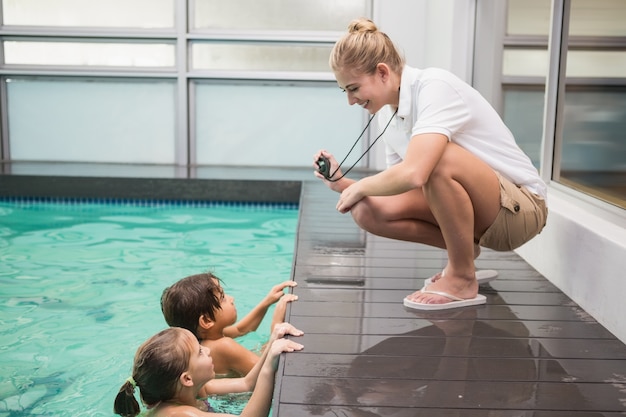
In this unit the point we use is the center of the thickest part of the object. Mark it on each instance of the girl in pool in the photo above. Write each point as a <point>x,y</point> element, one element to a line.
<point>173,371</point>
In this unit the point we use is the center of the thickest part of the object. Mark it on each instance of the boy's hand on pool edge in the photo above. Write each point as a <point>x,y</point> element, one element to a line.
<point>281,309</point>
<point>252,320</point>
<point>277,292</point>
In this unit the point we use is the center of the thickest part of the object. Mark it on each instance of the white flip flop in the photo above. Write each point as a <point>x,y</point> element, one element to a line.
<point>455,302</point>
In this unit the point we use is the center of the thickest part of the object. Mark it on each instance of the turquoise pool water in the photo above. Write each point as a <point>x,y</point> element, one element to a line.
<point>81,283</point>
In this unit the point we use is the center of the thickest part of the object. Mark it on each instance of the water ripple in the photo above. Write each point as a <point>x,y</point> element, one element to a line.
<point>81,288</point>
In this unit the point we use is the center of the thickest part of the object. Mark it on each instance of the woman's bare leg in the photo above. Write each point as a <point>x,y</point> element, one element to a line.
<point>403,217</point>
<point>452,211</point>
<point>463,194</point>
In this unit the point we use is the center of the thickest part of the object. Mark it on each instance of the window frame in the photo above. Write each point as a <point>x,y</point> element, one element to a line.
<point>182,36</point>
<point>491,40</point>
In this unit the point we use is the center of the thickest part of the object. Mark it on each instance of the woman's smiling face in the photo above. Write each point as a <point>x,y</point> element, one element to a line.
<point>364,90</point>
<point>370,91</point>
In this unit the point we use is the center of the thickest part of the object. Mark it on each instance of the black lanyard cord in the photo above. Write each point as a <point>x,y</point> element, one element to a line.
<point>330,177</point>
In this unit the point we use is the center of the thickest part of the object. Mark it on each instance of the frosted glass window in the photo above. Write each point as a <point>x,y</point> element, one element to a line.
<point>293,15</point>
<point>260,57</point>
<point>596,64</point>
<point>593,135</point>
<point>598,18</point>
<point>587,17</point>
<point>523,115</point>
<point>528,17</point>
<point>91,120</point>
<point>525,62</point>
<point>142,14</point>
<point>594,145</point>
<point>272,125</point>
<point>593,148</point>
<point>593,152</point>
<point>89,54</point>
<point>580,63</point>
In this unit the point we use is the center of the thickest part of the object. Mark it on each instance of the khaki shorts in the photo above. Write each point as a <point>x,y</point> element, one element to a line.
<point>522,216</point>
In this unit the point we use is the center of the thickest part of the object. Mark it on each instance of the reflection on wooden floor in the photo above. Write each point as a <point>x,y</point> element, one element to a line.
<point>531,351</point>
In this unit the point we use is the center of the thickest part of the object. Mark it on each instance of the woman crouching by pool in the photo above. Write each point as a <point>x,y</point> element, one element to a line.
<point>173,371</point>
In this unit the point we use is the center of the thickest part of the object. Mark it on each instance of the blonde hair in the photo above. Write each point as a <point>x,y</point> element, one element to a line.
<point>364,47</point>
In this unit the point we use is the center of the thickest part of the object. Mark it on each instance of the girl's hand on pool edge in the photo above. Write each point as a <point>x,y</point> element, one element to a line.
<point>285,345</point>
<point>282,329</point>
<point>279,346</point>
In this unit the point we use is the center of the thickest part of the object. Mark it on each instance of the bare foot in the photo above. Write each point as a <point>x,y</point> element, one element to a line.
<point>438,275</point>
<point>461,287</point>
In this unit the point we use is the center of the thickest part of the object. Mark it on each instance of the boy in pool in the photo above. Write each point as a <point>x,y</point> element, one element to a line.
<point>173,372</point>
<point>198,303</point>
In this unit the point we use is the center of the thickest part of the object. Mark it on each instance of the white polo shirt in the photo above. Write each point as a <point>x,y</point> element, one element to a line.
<point>436,101</point>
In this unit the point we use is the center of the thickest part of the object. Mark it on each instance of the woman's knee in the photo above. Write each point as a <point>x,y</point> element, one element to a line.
<point>363,215</point>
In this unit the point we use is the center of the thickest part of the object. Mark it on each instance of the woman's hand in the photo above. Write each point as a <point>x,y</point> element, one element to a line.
<point>336,185</point>
<point>333,165</point>
<point>349,197</point>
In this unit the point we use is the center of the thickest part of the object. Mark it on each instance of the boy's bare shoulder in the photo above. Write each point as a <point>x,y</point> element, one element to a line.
<point>224,348</point>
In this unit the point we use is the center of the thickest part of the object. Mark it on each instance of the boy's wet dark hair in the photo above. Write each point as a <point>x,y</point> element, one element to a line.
<point>190,298</point>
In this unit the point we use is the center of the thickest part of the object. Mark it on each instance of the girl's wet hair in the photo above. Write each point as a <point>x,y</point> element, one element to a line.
<point>190,298</point>
<point>159,363</point>
<point>364,47</point>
